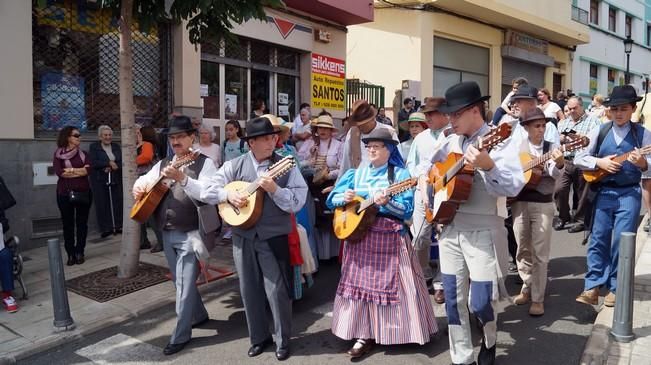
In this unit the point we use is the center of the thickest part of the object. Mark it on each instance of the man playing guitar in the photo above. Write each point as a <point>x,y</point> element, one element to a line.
<point>472,247</point>
<point>178,218</point>
<point>261,253</point>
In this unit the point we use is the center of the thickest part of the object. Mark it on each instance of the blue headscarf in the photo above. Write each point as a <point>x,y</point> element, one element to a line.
<point>395,158</point>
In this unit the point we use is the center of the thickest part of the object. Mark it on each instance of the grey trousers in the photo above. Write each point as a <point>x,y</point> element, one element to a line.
<point>259,273</point>
<point>185,269</point>
<point>421,231</point>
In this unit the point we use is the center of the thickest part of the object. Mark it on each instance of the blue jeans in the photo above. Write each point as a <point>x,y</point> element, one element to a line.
<point>7,269</point>
<point>616,211</point>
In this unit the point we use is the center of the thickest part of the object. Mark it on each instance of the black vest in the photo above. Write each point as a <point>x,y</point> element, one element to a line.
<point>176,211</point>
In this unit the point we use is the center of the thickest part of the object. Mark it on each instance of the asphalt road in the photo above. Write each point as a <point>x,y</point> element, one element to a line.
<point>556,338</point>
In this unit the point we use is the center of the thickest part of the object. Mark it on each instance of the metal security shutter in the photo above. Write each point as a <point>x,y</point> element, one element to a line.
<point>512,69</point>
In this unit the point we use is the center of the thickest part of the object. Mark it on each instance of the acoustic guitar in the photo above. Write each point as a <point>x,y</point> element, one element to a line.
<point>533,166</point>
<point>144,207</point>
<point>247,216</point>
<point>592,176</point>
<point>451,180</point>
<point>353,219</point>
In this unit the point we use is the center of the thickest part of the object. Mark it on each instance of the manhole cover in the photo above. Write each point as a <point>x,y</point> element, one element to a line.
<point>104,285</point>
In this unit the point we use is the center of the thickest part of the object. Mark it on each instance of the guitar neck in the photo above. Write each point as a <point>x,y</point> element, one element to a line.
<point>454,170</point>
<point>541,159</point>
<point>391,191</point>
<point>644,151</point>
<point>275,172</point>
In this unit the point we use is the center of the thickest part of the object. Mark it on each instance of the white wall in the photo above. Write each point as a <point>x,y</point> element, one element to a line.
<point>16,95</point>
<point>608,50</point>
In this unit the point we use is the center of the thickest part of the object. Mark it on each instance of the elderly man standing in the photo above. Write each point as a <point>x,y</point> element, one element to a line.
<point>418,164</point>
<point>362,122</point>
<point>580,123</point>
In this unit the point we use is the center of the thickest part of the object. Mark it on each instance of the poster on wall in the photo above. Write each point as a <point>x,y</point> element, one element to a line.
<point>283,98</point>
<point>283,110</point>
<point>328,82</point>
<point>62,100</point>
<point>230,103</point>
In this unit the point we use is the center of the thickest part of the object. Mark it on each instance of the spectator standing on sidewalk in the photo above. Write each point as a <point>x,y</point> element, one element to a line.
<point>106,159</point>
<point>146,157</point>
<point>74,197</point>
<point>6,256</point>
<point>206,146</point>
<point>382,117</point>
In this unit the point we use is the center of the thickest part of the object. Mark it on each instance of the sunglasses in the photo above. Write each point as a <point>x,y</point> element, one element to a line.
<point>76,135</point>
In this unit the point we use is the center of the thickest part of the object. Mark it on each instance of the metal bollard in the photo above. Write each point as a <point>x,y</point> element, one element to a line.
<point>62,318</point>
<point>622,329</point>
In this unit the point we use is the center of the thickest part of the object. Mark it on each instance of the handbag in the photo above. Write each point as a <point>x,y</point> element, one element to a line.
<point>79,197</point>
<point>6,199</point>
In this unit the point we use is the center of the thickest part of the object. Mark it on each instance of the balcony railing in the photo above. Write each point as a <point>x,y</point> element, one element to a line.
<point>579,15</point>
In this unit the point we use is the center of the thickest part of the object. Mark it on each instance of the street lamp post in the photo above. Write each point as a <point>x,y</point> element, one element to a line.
<point>628,47</point>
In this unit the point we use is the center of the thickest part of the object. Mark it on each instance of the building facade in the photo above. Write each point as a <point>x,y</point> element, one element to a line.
<point>601,65</point>
<point>60,68</point>
<point>434,44</point>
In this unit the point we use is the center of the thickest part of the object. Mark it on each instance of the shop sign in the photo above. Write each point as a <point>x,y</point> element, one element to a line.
<point>328,82</point>
<point>62,99</point>
<point>526,42</point>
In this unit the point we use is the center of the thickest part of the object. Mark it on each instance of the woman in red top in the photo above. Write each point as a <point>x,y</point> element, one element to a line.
<point>71,165</point>
<point>145,160</point>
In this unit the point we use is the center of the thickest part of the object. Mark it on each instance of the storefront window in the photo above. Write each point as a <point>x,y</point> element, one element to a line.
<point>235,95</point>
<point>286,86</point>
<point>286,58</point>
<point>209,89</point>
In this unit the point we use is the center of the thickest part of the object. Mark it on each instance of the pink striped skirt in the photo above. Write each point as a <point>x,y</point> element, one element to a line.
<point>409,321</point>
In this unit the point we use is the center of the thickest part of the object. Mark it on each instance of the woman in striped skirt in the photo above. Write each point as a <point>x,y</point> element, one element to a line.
<point>381,297</point>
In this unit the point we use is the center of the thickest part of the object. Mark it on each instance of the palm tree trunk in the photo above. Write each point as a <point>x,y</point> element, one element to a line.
<point>130,246</point>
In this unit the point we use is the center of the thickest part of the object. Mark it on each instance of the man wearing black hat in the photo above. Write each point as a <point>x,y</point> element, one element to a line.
<point>472,247</point>
<point>261,253</point>
<point>618,197</point>
<point>532,211</point>
<point>178,218</point>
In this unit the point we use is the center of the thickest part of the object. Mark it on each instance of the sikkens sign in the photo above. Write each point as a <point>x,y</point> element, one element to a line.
<point>328,82</point>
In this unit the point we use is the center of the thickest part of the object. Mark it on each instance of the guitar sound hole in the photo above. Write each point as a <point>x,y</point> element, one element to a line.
<point>357,208</point>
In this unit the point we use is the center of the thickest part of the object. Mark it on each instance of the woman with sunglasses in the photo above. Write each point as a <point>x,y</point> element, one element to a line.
<point>74,198</point>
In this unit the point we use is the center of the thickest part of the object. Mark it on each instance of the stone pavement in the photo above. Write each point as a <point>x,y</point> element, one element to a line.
<point>601,348</point>
<point>31,329</point>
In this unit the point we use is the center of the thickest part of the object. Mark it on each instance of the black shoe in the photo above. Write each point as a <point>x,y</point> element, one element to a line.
<point>71,261</point>
<point>118,231</point>
<point>579,227</point>
<point>513,268</point>
<point>646,225</point>
<point>282,354</point>
<point>146,245</point>
<point>201,322</point>
<point>157,248</point>
<point>105,234</point>
<point>80,259</point>
<point>257,349</point>
<point>559,224</point>
<point>173,348</point>
<point>486,356</point>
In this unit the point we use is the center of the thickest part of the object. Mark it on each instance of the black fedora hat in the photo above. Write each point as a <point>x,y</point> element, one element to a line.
<point>258,127</point>
<point>460,96</point>
<point>382,135</point>
<point>525,92</point>
<point>620,95</point>
<point>181,124</point>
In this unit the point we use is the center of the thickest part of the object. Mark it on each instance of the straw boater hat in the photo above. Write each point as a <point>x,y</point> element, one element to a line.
<point>532,115</point>
<point>278,122</point>
<point>414,117</point>
<point>620,95</point>
<point>323,121</point>
<point>363,113</point>
<point>258,127</point>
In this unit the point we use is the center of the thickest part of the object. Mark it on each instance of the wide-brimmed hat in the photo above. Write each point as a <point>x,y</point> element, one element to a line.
<point>620,95</point>
<point>525,92</point>
<point>363,113</point>
<point>433,104</point>
<point>460,96</point>
<point>414,117</point>
<point>278,122</point>
<point>180,124</point>
<point>258,127</point>
<point>380,134</point>
<point>323,121</point>
<point>532,115</point>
